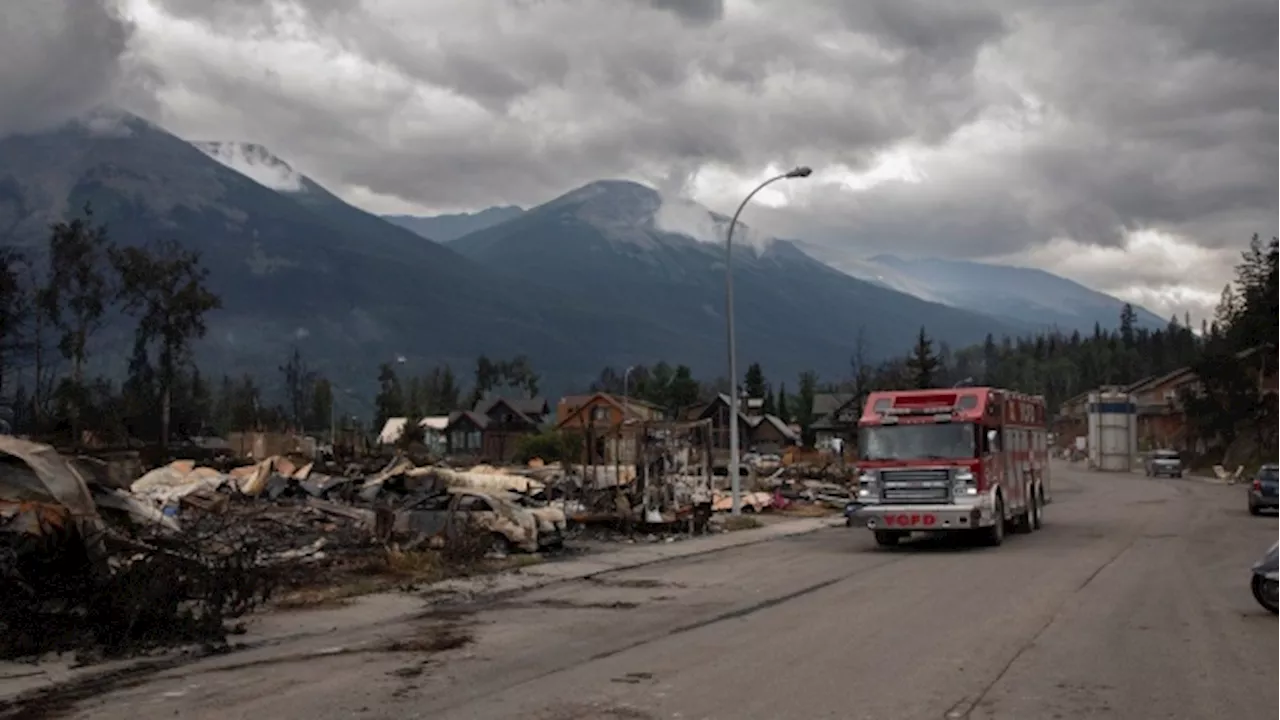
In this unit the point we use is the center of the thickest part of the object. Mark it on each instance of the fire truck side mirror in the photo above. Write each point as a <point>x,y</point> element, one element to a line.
<point>993,440</point>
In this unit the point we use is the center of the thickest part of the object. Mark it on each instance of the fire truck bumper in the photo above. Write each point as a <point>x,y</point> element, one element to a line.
<point>922,518</point>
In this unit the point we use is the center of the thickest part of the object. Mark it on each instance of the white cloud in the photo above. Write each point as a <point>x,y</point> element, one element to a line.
<point>1166,274</point>
<point>256,163</point>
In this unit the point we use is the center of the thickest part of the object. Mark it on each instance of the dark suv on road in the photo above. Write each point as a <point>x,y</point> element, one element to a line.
<point>1262,494</point>
<point>1164,462</point>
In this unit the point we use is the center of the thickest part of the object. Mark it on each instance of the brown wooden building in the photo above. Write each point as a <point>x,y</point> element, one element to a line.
<point>1162,419</point>
<point>578,411</point>
<point>492,430</point>
<point>609,423</point>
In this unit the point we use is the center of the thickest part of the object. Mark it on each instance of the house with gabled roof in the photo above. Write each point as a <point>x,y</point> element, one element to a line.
<point>603,409</point>
<point>759,433</point>
<point>610,424</point>
<point>836,416</point>
<point>770,434</point>
<point>491,431</point>
<point>535,409</point>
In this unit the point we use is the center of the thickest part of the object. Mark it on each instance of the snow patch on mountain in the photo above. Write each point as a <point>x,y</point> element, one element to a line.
<point>256,163</point>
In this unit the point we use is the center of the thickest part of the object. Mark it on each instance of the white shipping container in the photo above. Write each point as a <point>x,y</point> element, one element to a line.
<point>1113,431</point>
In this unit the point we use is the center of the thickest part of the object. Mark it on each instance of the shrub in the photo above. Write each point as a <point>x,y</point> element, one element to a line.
<point>551,446</point>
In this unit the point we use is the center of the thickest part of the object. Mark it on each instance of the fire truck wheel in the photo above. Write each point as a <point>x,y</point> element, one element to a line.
<point>994,536</point>
<point>1024,522</point>
<point>887,538</point>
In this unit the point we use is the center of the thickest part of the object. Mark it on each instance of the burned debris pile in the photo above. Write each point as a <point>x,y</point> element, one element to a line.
<point>105,566</point>
<point>662,477</point>
<point>72,580</point>
<point>105,571</point>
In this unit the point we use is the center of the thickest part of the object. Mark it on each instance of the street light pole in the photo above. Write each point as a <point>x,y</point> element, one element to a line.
<point>626,406</point>
<point>626,394</point>
<point>735,481</point>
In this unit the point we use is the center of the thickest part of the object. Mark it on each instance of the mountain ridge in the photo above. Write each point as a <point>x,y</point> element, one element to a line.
<point>1029,294</point>
<point>1076,307</point>
<point>350,289</point>
<point>607,242</point>
<point>607,274</point>
<point>446,228</point>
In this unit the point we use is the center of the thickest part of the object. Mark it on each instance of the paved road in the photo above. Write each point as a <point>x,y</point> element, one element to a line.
<point>1131,603</point>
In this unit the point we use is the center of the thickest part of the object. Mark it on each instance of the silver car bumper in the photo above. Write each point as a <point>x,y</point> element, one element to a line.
<point>923,518</point>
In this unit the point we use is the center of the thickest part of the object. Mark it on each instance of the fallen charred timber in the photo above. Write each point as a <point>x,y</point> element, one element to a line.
<point>122,578</point>
<point>153,589</point>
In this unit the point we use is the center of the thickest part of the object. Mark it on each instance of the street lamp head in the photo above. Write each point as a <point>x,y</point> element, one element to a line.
<point>803,171</point>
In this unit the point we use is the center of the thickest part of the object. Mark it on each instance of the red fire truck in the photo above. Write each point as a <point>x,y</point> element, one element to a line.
<point>969,459</point>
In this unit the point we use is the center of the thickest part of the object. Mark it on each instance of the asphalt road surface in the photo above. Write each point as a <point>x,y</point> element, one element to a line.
<point>1131,603</point>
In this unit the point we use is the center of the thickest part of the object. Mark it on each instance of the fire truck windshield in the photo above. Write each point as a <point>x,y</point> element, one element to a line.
<point>950,441</point>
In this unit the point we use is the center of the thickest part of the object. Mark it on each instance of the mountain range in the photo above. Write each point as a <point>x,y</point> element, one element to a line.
<point>295,266</point>
<point>608,274</point>
<point>1022,295</point>
<point>1027,297</point>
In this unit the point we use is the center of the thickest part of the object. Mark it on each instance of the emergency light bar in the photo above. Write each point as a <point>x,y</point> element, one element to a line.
<point>937,410</point>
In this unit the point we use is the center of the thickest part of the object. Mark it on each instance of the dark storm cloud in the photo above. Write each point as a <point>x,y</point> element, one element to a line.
<point>736,95</point>
<point>58,58</point>
<point>1149,114</point>
<point>256,14</point>
<point>1240,29</point>
<point>695,10</point>
<point>1115,116</point>
<point>938,31</point>
<point>575,91</point>
<point>1176,118</point>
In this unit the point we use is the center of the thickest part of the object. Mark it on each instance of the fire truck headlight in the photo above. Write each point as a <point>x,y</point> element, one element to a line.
<point>867,485</point>
<point>965,482</point>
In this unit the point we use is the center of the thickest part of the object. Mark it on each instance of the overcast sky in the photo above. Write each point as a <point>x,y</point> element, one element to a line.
<point>1128,144</point>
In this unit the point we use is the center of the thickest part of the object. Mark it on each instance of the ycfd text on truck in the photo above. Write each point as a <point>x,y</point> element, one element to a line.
<point>968,459</point>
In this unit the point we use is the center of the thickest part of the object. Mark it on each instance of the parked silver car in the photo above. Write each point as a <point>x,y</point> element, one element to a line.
<point>1164,462</point>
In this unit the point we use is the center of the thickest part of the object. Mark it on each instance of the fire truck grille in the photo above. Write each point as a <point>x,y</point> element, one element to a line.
<point>915,486</point>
